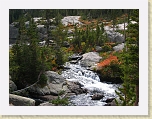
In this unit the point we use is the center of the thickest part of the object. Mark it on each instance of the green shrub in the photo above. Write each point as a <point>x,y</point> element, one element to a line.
<point>59,101</point>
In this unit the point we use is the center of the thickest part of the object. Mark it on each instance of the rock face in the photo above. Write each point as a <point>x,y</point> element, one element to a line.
<point>12,86</point>
<point>20,101</point>
<point>90,59</point>
<point>115,37</point>
<point>54,85</point>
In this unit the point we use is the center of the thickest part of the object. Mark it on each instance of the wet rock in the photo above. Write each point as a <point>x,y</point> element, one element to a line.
<point>97,96</point>
<point>75,87</point>
<point>109,100</point>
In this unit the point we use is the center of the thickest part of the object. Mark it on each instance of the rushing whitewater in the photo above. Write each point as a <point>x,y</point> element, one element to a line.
<point>90,81</point>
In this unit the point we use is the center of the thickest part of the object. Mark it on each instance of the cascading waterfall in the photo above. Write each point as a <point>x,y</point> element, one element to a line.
<point>90,81</point>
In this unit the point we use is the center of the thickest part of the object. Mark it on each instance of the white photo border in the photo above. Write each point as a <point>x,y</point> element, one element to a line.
<point>142,109</point>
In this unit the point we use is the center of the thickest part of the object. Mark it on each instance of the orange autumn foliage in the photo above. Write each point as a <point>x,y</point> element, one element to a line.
<point>107,61</point>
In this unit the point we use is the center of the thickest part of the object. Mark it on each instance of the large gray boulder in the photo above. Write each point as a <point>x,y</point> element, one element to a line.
<point>16,100</point>
<point>115,37</point>
<point>55,84</point>
<point>90,59</point>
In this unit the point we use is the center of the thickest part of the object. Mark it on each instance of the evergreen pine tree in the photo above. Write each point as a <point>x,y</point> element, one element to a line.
<point>130,65</point>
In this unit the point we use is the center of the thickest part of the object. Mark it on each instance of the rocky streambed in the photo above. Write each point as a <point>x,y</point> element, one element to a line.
<point>97,93</point>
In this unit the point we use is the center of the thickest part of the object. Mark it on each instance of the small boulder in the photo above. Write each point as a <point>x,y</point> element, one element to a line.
<point>97,96</point>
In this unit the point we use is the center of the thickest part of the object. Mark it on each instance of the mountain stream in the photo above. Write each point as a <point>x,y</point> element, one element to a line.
<point>89,80</point>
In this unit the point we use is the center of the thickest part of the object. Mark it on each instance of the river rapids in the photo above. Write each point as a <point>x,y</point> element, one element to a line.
<point>89,80</point>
